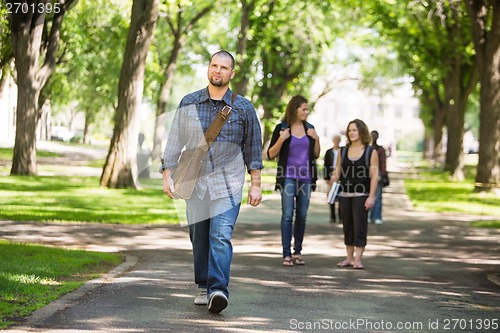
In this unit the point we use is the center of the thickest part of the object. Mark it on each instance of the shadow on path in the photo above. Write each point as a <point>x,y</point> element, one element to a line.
<point>424,272</point>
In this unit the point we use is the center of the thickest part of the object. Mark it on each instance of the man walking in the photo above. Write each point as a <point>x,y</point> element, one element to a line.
<point>214,206</point>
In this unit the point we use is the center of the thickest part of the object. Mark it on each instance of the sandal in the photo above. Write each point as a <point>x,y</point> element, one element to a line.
<point>287,261</point>
<point>344,263</point>
<point>297,260</point>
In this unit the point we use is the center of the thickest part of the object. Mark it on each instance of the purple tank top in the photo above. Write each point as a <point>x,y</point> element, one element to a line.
<point>297,166</point>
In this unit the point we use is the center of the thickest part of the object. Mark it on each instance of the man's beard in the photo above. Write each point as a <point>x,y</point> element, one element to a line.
<point>216,83</point>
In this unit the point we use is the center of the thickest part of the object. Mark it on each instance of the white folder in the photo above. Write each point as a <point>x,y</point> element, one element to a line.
<point>334,190</point>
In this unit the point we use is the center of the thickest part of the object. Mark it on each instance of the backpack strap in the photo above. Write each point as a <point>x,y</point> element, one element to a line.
<point>369,150</point>
<point>343,153</point>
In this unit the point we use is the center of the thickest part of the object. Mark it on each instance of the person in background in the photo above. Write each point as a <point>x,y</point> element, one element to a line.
<point>375,215</point>
<point>331,156</point>
<point>357,170</point>
<point>296,144</point>
<point>214,206</point>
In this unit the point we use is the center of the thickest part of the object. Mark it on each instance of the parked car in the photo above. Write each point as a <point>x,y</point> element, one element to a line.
<point>61,133</point>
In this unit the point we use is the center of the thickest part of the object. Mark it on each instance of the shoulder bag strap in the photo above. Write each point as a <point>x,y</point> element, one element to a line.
<point>215,127</point>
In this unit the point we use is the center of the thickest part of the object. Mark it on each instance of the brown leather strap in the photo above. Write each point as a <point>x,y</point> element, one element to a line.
<point>215,127</point>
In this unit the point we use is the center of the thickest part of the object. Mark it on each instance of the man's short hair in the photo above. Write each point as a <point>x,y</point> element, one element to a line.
<point>226,54</point>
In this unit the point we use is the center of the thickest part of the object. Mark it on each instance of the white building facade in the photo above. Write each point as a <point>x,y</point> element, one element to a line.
<point>394,116</point>
<point>8,103</point>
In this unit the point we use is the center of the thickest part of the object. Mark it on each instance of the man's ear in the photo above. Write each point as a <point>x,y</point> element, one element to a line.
<point>232,74</point>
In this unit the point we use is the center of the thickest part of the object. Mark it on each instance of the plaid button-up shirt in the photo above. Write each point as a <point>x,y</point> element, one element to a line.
<point>238,145</point>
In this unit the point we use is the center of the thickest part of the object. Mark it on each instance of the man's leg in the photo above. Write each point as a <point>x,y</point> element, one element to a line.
<point>376,211</point>
<point>199,228</point>
<point>198,234</point>
<point>224,213</point>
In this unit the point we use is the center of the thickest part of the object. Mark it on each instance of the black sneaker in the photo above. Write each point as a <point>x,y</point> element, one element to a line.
<point>217,302</point>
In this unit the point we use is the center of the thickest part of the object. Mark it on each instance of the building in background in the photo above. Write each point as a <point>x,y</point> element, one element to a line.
<point>395,116</point>
<point>8,103</point>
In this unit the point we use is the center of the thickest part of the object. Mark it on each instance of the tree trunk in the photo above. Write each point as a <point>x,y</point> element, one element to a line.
<point>120,169</point>
<point>488,168</point>
<point>242,79</point>
<point>26,43</point>
<point>165,89</point>
<point>455,119</point>
<point>43,120</point>
<point>437,134</point>
<point>27,29</point>
<point>86,139</point>
<point>485,19</point>
<point>24,158</point>
<point>454,161</point>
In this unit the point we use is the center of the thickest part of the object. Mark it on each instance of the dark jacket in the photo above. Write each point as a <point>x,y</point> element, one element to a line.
<point>283,155</point>
<point>328,166</point>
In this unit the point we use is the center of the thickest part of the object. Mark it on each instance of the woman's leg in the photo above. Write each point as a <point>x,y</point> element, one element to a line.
<point>360,219</point>
<point>287,208</point>
<point>303,196</point>
<point>348,228</point>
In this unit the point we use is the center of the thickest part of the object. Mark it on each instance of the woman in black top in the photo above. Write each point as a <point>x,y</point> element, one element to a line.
<point>358,185</point>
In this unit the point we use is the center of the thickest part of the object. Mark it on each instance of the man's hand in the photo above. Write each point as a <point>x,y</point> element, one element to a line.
<point>254,196</point>
<point>254,192</point>
<point>168,184</point>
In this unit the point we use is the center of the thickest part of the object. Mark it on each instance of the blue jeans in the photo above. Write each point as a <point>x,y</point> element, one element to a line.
<point>376,210</point>
<point>211,226</point>
<point>295,195</point>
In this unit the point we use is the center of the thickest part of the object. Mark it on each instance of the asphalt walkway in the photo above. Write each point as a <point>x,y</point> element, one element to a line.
<point>424,272</point>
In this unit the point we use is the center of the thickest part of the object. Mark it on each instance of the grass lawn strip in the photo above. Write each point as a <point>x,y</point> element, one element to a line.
<point>32,276</point>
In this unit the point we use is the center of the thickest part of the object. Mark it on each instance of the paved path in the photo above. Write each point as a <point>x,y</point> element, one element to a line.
<point>424,272</point>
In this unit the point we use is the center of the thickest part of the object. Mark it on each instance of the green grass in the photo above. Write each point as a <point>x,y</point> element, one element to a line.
<point>487,224</point>
<point>6,154</point>
<point>32,276</point>
<point>433,191</point>
<point>81,199</point>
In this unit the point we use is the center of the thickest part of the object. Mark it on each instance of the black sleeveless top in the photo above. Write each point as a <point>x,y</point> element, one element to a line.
<point>355,175</point>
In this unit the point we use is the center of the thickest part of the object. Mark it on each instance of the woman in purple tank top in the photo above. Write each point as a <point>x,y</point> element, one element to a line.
<point>296,144</point>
